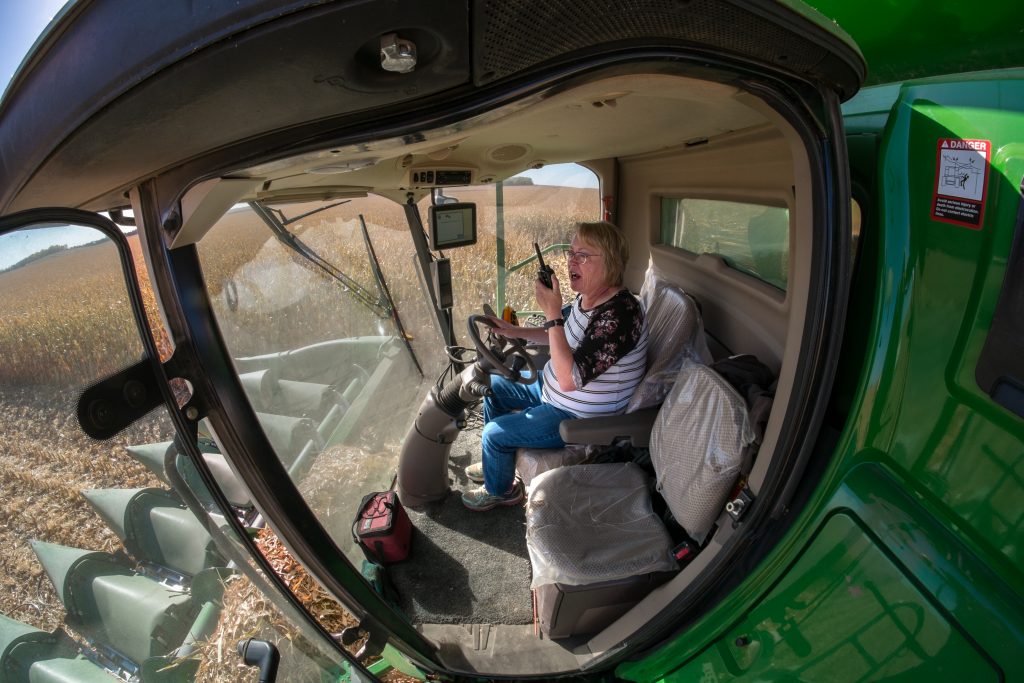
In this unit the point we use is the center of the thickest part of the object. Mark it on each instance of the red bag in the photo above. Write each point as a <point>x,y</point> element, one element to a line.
<point>382,528</point>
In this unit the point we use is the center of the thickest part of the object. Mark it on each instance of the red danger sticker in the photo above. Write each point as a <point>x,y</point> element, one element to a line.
<point>961,181</point>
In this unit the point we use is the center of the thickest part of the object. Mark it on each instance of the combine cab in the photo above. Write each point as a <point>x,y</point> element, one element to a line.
<point>262,301</point>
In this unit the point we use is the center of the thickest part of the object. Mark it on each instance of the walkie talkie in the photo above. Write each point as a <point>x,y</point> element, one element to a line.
<point>545,271</point>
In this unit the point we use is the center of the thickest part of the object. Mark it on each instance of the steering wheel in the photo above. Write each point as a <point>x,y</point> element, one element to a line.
<point>509,362</point>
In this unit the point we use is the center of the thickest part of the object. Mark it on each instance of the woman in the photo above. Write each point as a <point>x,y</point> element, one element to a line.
<point>598,346</point>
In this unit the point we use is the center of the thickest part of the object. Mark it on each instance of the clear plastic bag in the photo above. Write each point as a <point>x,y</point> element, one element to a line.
<point>698,446</point>
<point>531,462</point>
<point>675,333</point>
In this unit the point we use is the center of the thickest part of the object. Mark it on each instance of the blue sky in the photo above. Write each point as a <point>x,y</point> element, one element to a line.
<point>16,245</point>
<point>565,175</point>
<point>21,22</point>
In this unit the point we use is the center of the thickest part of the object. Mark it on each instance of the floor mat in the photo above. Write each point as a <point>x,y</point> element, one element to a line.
<point>465,567</point>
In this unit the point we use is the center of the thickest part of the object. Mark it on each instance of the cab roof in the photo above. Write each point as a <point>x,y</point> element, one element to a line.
<point>116,92</point>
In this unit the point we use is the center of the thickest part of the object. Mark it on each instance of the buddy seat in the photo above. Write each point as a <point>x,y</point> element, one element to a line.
<point>595,543</point>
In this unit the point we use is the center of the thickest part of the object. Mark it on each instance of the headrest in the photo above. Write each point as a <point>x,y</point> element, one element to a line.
<point>675,332</point>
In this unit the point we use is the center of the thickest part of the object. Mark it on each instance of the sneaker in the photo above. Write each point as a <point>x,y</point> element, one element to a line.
<point>475,473</point>
<point>479,500</point>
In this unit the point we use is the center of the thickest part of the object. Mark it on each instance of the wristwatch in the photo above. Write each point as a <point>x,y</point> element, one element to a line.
<point>557,322</point>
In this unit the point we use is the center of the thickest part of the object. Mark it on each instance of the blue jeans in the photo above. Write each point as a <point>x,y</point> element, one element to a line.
<point>505,431</point>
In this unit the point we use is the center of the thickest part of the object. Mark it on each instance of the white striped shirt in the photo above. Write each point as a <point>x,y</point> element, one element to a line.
<point>609,392</point>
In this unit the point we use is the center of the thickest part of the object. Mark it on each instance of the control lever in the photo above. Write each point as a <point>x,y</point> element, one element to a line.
<point>544,272</point>
<point>479,388</point>
<point>518,363</point>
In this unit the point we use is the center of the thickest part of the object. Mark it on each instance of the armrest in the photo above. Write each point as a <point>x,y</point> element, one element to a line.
<point>603,431</point>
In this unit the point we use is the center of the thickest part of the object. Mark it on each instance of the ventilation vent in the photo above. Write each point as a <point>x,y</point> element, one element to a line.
<point>513,35</point>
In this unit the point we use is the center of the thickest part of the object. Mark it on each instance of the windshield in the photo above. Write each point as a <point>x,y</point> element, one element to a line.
<point>334,347</point>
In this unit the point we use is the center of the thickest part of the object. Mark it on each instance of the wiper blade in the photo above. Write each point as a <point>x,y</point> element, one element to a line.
<point>378,305</point>
<point>383,286</point>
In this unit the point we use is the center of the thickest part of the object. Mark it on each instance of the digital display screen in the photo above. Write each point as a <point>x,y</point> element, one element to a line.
<point>452,225</point>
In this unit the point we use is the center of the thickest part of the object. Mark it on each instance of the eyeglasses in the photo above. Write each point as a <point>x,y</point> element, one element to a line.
<point>579,257</point>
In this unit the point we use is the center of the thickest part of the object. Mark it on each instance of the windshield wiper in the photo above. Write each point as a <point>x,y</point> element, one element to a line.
<point>378,304</point>
<point>386,292</point>
<point>383,306</point>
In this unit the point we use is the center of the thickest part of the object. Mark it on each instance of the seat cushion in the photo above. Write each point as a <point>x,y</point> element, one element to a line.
<point>591,523</point>
<point>531,462</point>
<point>697,446</point>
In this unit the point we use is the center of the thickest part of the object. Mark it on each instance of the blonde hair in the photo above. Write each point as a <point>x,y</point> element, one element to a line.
<point>614,248</point>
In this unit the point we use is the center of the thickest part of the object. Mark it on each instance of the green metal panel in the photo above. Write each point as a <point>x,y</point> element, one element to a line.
<point>938,286</point>
<point>173,537</point>
<point>136,615</point>
<point>845,612</point>
<point>152,456</point>
<point>13,632</point>
<point>288,435</point>
<point>373,397</point>
<point>904,39</point>
<point>21,645</point>
<point>68,670</point>
<point>327,362</point>
<point>155,526</point>
<point>207,589</point>
<point>59,560</point>
<point>883,591</point>
<point>108,601</point>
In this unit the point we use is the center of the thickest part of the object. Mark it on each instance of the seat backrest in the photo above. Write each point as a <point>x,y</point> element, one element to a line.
<point>675,332</point>
<point>697,446</point>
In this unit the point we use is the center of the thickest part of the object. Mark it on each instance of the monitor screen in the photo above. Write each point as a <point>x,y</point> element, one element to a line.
<point>452,225</point>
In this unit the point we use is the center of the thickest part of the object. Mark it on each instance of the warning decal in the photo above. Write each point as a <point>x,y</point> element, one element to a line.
<point>961,181</point>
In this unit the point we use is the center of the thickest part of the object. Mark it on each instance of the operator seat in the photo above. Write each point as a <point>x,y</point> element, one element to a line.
<point>595,543</point>
<point>675,332</point>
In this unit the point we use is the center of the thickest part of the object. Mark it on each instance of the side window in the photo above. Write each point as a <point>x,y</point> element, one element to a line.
<point>753,238</point>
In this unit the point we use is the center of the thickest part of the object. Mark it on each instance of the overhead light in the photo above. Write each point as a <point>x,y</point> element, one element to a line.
<point>397,54</point>
<point>342,166</point>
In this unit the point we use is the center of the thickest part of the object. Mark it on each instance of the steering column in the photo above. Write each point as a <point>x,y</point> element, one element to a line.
<point>423,463</point>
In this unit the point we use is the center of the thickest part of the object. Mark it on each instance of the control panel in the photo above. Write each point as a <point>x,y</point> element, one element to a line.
<point>439,176</point>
